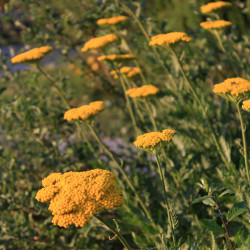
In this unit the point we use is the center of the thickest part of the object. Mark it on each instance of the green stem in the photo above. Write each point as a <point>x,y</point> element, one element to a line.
<point>189,86</point>
<point>215,32</point>
<point>111,228</point>
<point>150,115</point>
<point>119,166</point>
<point>170,221</point>
<point>53,84</point>
<point>243,139</point>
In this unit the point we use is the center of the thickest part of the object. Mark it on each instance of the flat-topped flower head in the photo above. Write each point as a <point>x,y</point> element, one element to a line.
<point>214,6</point>
<point>215,24</point>
<point>126,71</point>
<point>32,56</point>
<point>150,141</point>
<point>246,105</point>
<point>85,112</point>
<point>74,196</point>
<point>233,88</point>
<point>99,42</point>
<point>114,57</point>
<point>144,91</point>
<point>169,38</point>
<point>111,20</point>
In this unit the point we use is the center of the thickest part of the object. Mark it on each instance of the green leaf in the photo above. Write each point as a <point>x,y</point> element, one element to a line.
<point>197,200</point>
<point>209,201</point>
<point>236,210</point>
<point>228,191</point>
<point>212,226</point>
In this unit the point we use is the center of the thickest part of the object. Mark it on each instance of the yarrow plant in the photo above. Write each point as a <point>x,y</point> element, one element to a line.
<point>214,6</point>
<point>246,105</point>
<point>143,91</point>
<point>116,58</point>
<point>217,24</point>
<point>111,20</point>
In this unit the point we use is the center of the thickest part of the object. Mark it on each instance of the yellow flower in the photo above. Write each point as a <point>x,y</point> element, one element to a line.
<point>144,91</point>
<point>169,38</point>
<point>111,20</point>
<point>232,88</point>
<point>214,6</point>
<point>246,105</point>
<point>149,141</point>
<point>84,112</point>
<point>32,55</point>
<point>74,196</point>
<point>116,57</point>
<point>126,71</point>
<point>99,42</point>
<point>215,24</point>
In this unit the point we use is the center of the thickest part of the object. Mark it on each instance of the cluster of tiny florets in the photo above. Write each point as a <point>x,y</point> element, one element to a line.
<point>144,91</point>
<point>32,55</point>
<point>214,6</point>
<point>233,87</point>
<point>99,42</point>
<point>115,57</point>
<point>126,71</point>
<point>74,196</point>
<point>215,24</point>
<point>111,20</point>
<point>169,38</point>
<point>246,105</point>
<point>150,141</point>
<point>84,112</point>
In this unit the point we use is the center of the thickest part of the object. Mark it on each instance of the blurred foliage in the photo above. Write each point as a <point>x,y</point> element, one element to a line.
<point>36,141</point>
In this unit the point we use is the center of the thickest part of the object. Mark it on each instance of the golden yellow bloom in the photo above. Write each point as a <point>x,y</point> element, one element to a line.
<point>133,72</point>
<point>111,20</point>
<point>74,196</point>
<point>116,57</point>
<point>91,60</point>
<point>150,141</point>
<point>246,105</point>
<point>32,55</point>
<point>126,71</point>
<point>84,112</point>
<point>215,24</point>
<point>144,91</point>
<point>214,6</point>
<point>169,38</point>
<point>232,87</point>
<point>99,42</point>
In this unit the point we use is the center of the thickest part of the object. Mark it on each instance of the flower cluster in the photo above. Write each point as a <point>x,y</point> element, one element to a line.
<point>144,91</point>
<point>99,42</point>
<point>74,196</point>
<point>215,24</point>
<point>126,71</point>
<point>111,20</point>
<point>115,57</point>
<point>149,141</point>
<point>232,87</point>
<point>84,112</point>
<point>246,105</point>
<point>214,6</point>
<point>169,38</point>
<point>32,55</point>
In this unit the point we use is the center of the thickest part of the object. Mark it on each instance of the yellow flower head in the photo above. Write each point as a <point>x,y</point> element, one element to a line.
<point>74,196</point>
<point>111,20</point>
<point>144,91</point>
<point>126,71</point>
<point>215,24</point>
<point>116,57</point>
<point>149,141</point>
<point>214,6</point>
<point>169,38</point>
<point>84,112</point>
<point>232,88</point>
<point>99,42</point>
<point>32,55</point>
<point>246,105</point>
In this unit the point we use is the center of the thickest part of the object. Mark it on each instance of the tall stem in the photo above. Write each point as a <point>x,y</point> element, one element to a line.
<point>150,115</point>
<point>243,139</point>
<point>53,84</point>
<point>109,153</point>
<point>111,228</point>
<point>170,221</point>
<point>225,224</point>
<point>189,86</point>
